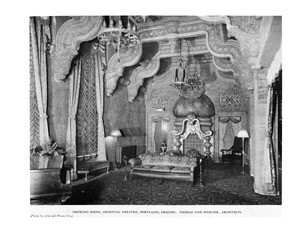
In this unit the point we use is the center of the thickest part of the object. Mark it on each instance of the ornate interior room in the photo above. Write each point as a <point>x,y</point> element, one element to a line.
<point>155,110</point>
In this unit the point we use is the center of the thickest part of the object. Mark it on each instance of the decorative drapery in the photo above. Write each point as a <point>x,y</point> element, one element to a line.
<point>228,138</point>
<point>34,110</point>
<point>264,175</point>
<point>222,129</point>
<point>74,78</point>
<point>271,178</point>
<point>234,119</point>
<point>236,127</point>
<point>265,168</point>
<point>226,124</point>
<point>38,30</point>
<point>99,77</point>
<point>87,114</point>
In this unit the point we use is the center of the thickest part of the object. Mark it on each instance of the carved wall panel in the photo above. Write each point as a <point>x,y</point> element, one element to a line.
<point>230,100</point>
<point>233,99</point>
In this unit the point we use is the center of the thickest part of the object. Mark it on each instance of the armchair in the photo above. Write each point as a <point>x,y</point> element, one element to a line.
<point>234,153</point>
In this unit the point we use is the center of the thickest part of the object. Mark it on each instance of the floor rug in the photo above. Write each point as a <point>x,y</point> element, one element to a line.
<point>223,185</point>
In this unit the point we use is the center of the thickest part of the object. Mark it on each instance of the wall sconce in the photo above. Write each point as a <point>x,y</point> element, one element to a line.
<point>243,134</point>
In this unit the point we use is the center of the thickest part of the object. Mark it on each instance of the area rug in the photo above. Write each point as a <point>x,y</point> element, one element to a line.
<point>223,185</point>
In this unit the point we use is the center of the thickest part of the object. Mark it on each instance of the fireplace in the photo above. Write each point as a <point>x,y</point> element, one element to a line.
<point>124,154</point>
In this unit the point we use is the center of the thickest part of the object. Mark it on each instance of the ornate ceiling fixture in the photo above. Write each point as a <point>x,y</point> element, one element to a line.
<point>189,84</point>
<point>121,33</point>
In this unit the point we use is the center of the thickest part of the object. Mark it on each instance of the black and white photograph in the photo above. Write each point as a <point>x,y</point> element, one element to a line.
<point>142,118</point>
<point>155,110</point>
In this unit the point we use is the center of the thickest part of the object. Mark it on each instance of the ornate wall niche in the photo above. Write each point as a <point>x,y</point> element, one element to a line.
<point>242,115</point>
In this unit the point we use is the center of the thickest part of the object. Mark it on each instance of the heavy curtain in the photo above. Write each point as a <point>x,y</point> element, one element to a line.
<point>74,78</point>
<point>99,77</point>
<point>87,114</point>
<point>265,170</point>
<point>39,30</point>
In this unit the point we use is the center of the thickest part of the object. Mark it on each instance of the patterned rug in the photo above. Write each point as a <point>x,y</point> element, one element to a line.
<point>223,185</point>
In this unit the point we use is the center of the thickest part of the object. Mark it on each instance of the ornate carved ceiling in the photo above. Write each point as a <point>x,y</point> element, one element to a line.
<point>228,44</point>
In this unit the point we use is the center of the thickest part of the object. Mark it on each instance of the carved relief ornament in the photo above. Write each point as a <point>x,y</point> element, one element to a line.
<point>191,27</point>
<point>246,30</point>
<point>84,28</point>
<point>173,33</point>
<point>68,39</point>
<point>116,66</point>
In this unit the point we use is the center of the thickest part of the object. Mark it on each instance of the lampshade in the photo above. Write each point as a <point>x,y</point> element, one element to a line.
<point>243,133</point>
<point>116,133</point>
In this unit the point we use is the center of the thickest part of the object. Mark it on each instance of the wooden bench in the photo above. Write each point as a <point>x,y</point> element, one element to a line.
<point>88,165</point>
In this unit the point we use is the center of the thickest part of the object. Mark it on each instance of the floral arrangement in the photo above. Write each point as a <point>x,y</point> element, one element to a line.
<point>50,148</point>
<point>46,156</point>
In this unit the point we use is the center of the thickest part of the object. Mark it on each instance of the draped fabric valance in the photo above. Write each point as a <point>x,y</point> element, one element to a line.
<point>226,119</point>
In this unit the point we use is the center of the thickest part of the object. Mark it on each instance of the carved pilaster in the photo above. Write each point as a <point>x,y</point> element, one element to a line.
<point>206,124</point>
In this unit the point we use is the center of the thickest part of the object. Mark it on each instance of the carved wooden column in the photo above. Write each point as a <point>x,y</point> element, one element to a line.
<point>206,123</point>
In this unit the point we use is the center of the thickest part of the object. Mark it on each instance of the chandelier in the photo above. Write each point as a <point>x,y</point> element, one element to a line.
<point>118,32</point>
<point>189,84</point>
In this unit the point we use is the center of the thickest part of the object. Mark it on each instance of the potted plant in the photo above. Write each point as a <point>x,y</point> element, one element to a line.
<point>50,155</point>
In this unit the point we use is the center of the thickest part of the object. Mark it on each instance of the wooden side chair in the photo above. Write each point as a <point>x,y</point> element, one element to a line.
<point>234,153</point>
